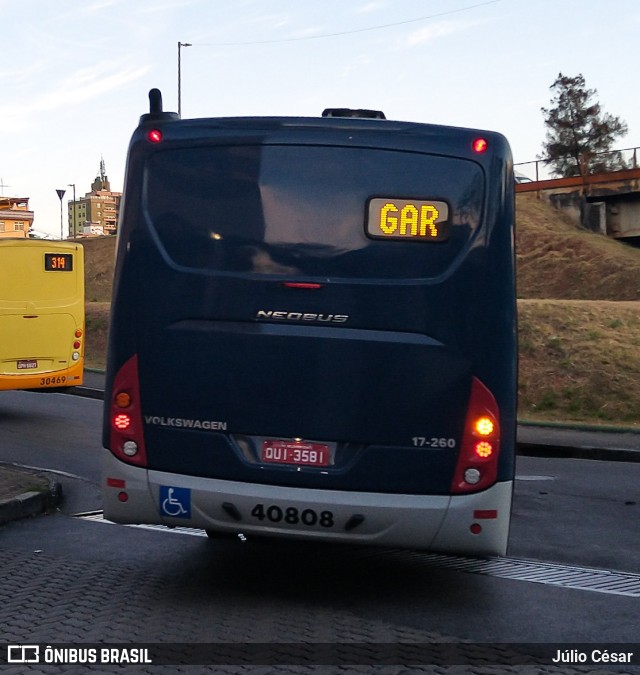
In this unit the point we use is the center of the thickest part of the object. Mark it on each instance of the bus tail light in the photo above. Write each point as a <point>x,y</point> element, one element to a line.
<point>125,415</point>
<point>477,465</point>
<point>77,345</point>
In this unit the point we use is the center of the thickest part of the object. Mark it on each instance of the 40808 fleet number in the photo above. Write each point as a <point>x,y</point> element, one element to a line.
<point>293,516</point>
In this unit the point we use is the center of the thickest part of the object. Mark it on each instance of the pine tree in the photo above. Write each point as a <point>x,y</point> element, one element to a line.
<point>578,131</point>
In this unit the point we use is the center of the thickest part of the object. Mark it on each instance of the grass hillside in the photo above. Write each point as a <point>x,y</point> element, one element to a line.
<point>579,318</point>
<point>99,256</point>
<point>560,261</point>
<point>579,361</point>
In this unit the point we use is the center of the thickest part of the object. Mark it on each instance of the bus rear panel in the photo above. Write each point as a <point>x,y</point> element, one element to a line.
<point>41,314</point>
<point>313,332</point>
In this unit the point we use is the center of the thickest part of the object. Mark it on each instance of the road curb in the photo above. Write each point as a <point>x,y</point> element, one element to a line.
<point>574,452</point>
<point>579,426</point>
<point>32,503</point>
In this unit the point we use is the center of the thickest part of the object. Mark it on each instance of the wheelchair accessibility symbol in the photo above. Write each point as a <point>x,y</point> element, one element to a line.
<point>175,502</point>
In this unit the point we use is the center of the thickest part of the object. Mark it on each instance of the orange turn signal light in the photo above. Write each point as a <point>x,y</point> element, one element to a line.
<point>484,426</point>
<point>123,400</point>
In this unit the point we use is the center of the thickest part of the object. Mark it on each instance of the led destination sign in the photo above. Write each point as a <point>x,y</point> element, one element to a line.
<point>408,219</point>
<point>58,262</point>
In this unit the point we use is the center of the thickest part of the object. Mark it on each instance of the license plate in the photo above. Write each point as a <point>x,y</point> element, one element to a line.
<point>295,452</point>
<point>27,364</point>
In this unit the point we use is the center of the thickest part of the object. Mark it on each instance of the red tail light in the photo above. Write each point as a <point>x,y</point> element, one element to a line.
<point>480,145</point>
<point>477,466</point>
<point>127,438</point>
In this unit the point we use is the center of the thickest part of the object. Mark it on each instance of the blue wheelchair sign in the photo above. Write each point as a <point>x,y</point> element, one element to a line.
<point>175,502</point>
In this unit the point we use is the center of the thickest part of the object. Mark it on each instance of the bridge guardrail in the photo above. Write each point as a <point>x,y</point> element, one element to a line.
<point>542,169</point>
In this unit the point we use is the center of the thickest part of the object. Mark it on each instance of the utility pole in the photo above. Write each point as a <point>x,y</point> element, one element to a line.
<point>73,185</point>
<point>60,196</point>
<point>180,45</point>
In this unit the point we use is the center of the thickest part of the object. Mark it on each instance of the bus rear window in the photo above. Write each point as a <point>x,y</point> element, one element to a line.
<point>324,211</point>
<point>28,274</point>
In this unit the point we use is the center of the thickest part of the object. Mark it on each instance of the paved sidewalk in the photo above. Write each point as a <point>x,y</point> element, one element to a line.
<point>24,493</point>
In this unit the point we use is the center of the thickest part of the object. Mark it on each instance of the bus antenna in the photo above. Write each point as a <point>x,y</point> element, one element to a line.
<point>155,109</point>
<point>155,101</point>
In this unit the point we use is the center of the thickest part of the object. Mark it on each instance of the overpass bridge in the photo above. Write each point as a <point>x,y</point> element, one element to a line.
<point>608,203</point>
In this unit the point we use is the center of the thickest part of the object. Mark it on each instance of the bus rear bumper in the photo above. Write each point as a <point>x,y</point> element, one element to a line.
<point>475,524</point>
<point>49,379</point>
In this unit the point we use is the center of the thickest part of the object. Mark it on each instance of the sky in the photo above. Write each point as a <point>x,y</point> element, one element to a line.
<point>75,74</point>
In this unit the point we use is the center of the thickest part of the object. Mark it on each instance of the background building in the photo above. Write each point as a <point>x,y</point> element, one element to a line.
<point>15,217</point>
<point>96,212</point>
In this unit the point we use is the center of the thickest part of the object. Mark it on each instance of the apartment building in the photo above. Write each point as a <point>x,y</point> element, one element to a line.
<point>15,217</point>
<point>96,212</point>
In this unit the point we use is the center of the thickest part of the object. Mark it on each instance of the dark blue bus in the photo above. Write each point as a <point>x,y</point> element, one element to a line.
<point>313,331</point>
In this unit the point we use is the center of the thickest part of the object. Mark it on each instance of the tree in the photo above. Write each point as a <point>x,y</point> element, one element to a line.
<point>578,131</point>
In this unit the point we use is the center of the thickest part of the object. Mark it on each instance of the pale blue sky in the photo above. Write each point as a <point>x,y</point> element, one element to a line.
<point>75,74</point>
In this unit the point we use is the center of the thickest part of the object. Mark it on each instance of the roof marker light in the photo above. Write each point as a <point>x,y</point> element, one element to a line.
<point>480,145</point>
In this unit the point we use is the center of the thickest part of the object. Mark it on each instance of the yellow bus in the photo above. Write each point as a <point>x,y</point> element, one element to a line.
<point>41,314</point>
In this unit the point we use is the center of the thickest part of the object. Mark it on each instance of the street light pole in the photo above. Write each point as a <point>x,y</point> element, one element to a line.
<point>60,196</point>
<point>73,185</point>
<point>180,45</point>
